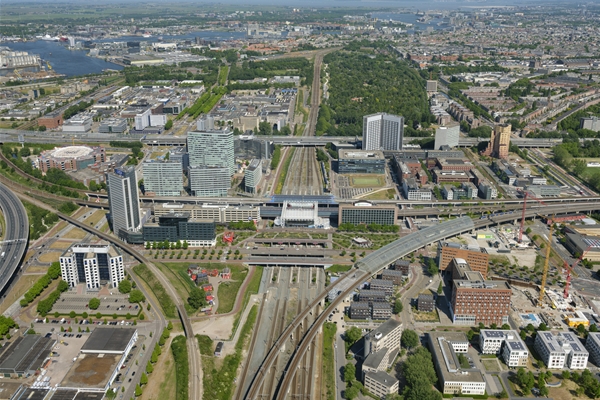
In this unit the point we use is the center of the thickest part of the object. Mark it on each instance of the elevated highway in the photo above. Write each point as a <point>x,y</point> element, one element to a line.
<point>16,235</point>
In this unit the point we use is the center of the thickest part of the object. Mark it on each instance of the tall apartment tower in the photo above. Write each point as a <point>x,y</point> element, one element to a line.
<point>499,141</point>
<point>123,199</point>
<point>211,148</point>
<point>382,132</point>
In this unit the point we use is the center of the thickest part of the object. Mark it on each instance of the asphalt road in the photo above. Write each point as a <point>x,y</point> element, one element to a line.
<point>13,247</point>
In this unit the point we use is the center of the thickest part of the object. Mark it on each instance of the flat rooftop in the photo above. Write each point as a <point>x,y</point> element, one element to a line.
<point>446,361</point>
<point>32,394</point>
<point>91,371</point>
<point>104,340</point>
<point>385,328</point>
<point>64,394</point>
<point>8,389</point>
<point>26,353</point>
<point>361,154</point>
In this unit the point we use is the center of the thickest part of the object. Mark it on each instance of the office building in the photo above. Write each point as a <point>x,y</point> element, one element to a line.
<point>550,350</point>
<point>446,136</point>
<point>487,191</point>
<point>478,260</point>
<point>220,213</point>
<point>51,120</point>
<point>592,344</point>
<point>381,346</point>
<point>364,212</point>
<point>411,191</point>
<point>253,176</point>
<point>476,300</point>
<point>361,162</point>
<point>113,125</point>
<point>179,227</point>
<point>123,199</point>
<point>212,148</point>
<point>425,302</point>
<point>543,190</point>
<point>180,155</point>
<point>207,181</point>
<point>94,264</point>
<point>382,132</point>
<point>508,344</point>
<point>577,355</point>
<point>162,178</point>
<point>591,123</point>
<point>79,123</point>
<point>381,383</point>
<point>454,380</point>
<point>499,141</point>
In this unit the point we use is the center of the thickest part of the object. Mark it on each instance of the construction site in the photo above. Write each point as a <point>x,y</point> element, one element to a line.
<point>550,284</point>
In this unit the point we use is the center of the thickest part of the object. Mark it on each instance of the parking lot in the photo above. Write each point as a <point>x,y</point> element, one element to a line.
<point>112,304</point>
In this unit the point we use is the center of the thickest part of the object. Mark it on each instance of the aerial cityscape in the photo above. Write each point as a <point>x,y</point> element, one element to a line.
<point>393,200</point>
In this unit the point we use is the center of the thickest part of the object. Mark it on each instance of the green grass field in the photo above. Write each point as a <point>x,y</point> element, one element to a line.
<point>366,181</point>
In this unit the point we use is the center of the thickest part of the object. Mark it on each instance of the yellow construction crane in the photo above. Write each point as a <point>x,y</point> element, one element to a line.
<point>546,265</point>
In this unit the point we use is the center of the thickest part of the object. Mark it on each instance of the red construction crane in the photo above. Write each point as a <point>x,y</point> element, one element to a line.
<point>525,196</point>
<point>570,269</point>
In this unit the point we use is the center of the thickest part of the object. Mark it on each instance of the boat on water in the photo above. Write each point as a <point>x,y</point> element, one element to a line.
<point>48,38</point>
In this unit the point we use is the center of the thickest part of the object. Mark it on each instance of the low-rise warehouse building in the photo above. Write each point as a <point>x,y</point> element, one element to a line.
<point>104,352</point>
<point>25,355</point>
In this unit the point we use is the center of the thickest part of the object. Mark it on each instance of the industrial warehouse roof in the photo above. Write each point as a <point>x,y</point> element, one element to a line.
<point>25,354</point>
<point>108,340</point>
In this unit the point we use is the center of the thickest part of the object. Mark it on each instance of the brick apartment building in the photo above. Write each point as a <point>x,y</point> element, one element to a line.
<point>477,260</point>
<point>476,300</point>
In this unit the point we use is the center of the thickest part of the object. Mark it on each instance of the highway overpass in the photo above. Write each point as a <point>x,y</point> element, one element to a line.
<point>12,135</point>
<point>16,235</point>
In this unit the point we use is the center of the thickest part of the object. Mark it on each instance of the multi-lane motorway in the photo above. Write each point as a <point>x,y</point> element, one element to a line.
<point>16,235</point>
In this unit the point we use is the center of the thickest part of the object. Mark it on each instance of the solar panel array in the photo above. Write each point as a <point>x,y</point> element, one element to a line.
<point>592,242</point>
<point>516,345</point>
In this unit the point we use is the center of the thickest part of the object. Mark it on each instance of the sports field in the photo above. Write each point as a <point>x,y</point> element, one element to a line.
<point>366,180</point>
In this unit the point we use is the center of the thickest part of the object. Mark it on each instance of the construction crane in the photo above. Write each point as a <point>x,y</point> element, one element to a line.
<point>571,269</point>
<point>525,196</point>
<point>546,265</point>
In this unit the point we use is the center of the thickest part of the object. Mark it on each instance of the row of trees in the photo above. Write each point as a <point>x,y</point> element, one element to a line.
<point>41,284</point>
<point>348,227</point>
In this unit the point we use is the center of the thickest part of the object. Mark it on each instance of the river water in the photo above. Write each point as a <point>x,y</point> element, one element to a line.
<point>77,62</point>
